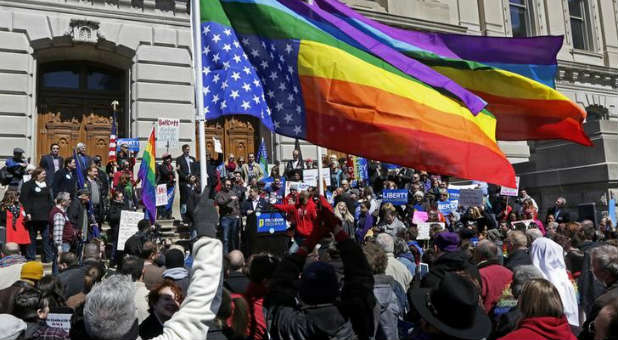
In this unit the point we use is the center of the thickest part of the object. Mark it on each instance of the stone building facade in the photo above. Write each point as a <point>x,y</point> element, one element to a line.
<point>62,63</point>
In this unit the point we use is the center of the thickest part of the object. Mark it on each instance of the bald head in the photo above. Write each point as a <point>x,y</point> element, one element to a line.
<point>485,251</point>
<point>237,260</point>
<point>11,248</point>
<point>91,252</point>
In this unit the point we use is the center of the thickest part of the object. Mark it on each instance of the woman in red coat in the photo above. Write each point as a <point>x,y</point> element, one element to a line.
<point>542,314</point>
<point>12,216</point>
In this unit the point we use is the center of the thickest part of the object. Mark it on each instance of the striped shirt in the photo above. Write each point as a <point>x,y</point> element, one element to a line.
<point>59,222</point>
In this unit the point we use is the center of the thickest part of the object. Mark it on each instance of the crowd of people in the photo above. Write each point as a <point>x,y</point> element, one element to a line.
<point>355,266</point>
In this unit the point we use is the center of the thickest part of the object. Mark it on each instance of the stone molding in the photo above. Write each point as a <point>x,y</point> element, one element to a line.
<point>570,72</point>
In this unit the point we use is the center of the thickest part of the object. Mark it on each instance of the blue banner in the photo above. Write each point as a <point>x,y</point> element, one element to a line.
<point>444,207</point>
<point>612,211</point>
<point>271,223</point>
<point>363,172</point>
<point>133,144</point>
<point>170,198</point>
<point>453,194</point>
<point>396,197</point>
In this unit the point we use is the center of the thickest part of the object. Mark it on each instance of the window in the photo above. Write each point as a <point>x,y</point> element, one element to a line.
<point>521,18</point>
<point>66,78</point>
<point>580,29</point>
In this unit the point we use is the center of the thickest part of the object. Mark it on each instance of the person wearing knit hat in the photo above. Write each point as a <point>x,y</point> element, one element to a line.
<point>32,271</point>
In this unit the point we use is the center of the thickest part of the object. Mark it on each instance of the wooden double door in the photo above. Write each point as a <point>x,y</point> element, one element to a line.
<point>238,136</point>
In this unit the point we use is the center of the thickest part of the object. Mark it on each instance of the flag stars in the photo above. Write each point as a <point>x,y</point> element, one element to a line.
<point>206,50</point>
<point>256,83</point>
<point>206,30</point>
<point>297,130</point>
<point>279,106</point>
<point>223,105</point>
<point>270,94</point>
<point>256,99</point>
<point>215,99</point>
<point>273,76</point>
<point>264,64</point>
<point>206,70</point>
<point>298,109</point>
<point>216,58</point>
<point>287,118</point>
<point>255,53</point>
<point>246,87</point>
<point>282,87</point>
<point>224,85</point>
<point>227,47</point>
<point>216,38</point>
<point>295,89</point>
<point>237,58</point>
<point>246,70</point>
<point>226,65</point>
<point>216,78</point>
<point>234,94</point>
<point>277,124</point>
<point>235,76</point>
<point>206,90</point>
<point>290,97</point>
<point>245,105</point>
<point>245,41</point>
<point>288,48</point>
<point>227,32</point>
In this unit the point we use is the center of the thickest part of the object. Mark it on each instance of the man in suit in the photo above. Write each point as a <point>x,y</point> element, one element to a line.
<point>251,169</point>
<point>84,160</point>
<point>184,167</point>
<point>559,211</point>
<point>254,203</point>
<point>296,163</point>
<point>52,163</point>
<point>65,179</point>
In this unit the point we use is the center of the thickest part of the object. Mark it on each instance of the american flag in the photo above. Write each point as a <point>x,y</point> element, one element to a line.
<point>112,141</point>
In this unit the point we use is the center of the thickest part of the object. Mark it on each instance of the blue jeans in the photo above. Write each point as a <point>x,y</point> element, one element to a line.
<point>66,247</point>
<point>35,227</point>
<point>230,227</point>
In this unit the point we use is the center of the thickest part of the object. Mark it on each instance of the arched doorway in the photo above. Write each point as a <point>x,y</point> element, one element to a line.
<point>74,104</point>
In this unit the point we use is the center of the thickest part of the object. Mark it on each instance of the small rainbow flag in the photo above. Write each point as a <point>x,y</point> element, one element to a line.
<point>148,178</point>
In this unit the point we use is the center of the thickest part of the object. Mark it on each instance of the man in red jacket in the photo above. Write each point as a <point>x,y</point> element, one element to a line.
<point>302,215</point>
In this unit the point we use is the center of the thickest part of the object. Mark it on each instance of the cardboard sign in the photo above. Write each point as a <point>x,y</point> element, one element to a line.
<point>161,195</point>
<point>298,186</point>
<point>396,197</point>
<point>424,230</point>
<point>310,176</point>
<point>168,132</point>
<point>504,191</point>
<point>270,222</point>
<point>58,320</point>
<point>132,143</point>
<point>470,198</point>
<point>128,226</point>
<point>419,217</point>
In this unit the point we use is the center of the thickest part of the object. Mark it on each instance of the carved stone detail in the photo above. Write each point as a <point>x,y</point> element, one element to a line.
<point>84,31</point>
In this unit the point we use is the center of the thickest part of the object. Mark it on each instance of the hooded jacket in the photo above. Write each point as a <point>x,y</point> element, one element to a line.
<point>449,262</point>
<point>540,328</point>
<point>180,276</point>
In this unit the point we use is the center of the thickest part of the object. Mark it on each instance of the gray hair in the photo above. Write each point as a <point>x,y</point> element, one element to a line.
<point>606,257</point>
<point>62,196</point>
<point>109,311</point>
<point>533,234</point>
<point>80,145</point>
<point>521,275</point>
<point>385,241</point>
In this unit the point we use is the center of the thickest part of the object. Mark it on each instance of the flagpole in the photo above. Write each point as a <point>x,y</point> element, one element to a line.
<point>199,98</point>
<point>319,161</point>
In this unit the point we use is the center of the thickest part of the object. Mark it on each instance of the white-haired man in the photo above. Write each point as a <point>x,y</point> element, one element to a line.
<point>109,311</point>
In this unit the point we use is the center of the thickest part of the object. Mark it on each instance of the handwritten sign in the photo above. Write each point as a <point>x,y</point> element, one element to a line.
<point>310,176</point>
<point>396,197</point>
<point>168,132</point>
<point>270,222</point>
<point>59,320</point>
<point>504,191</point>
<point>161,195</point>
<point>424,229</point>
<point>217,145</point>
<point>470,198</point>
<point>128,226</point>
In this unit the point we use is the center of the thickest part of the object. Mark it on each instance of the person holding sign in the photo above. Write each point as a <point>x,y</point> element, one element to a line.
<point>165,175</point>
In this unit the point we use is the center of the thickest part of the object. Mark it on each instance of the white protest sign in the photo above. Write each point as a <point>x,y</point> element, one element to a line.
<point>298,186</point>
<point>524,222</point>
<point>424,229</point>
<point>59,320</point>
<point>128,226</point>
<point>470,198</point>
<point>504,191</point>
<point>217,145</point>
<point>168,132</point>
<point>161,195</point>
<point>310,176</point>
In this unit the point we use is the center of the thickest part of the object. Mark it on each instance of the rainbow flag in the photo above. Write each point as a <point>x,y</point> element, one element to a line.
<point>514,75</point>
<point>332,93</point>
<point>148,178</point>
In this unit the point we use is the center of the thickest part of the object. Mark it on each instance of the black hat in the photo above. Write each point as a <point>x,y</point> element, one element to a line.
<point>174,258</point>
<point>319,284</point>
<point>18,151</point>
<point>453,308</point>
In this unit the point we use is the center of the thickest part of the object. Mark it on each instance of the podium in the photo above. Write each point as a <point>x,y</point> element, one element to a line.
<point>265,232</point>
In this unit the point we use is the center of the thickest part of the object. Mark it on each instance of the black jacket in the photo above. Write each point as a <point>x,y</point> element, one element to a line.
<point>563,217</point>
<point>150,328</point>
<point>65,180</point>
<point>290,169</point>
<point>183,168</point>
<point>247,206</point>
<point>73,278</point>
<point>516,258</point>
<point>47,163</point>
<point>236,283</point>
<point>449,262</point>
<point>350,318</point>
<point>37,201</point>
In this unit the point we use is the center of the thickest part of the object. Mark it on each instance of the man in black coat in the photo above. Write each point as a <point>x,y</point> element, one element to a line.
<point>559,211</point>
<point>295,164</point>
<point>517,246</point>
<point>184,167</point>
<point>52,163</point>
<point>65,179</point>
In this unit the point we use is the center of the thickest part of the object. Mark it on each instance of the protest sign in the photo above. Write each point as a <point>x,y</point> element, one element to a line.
<point>612,211</point>
<point>424,229</point>
<point>470,198</point>
<point>298,186</point>
<point>419,217</point>
<point>504,191</point>
<point>132,143</point>
<point>445,207</point>
<point>525,223</point>
<point>310,176</point>
<point>128,226</point>
<point>396,197</point>
<point>161,195</point>
<point>270,222</point>
<point>168,132</point>
<point>59,320</point>
<point>217,145</point>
